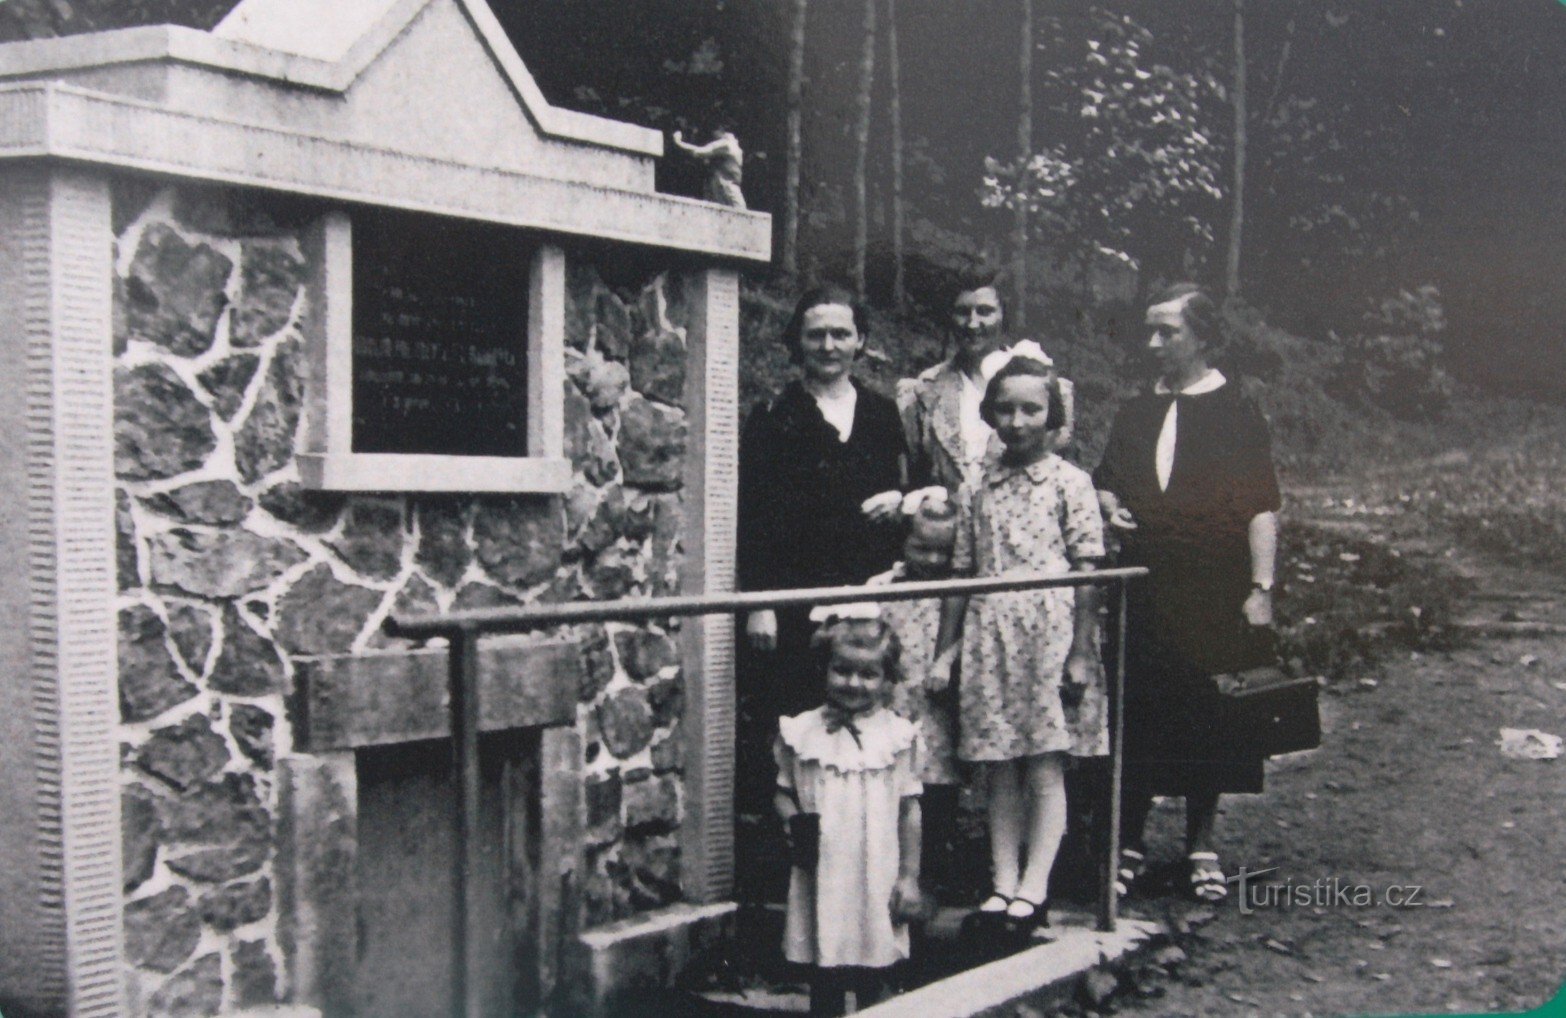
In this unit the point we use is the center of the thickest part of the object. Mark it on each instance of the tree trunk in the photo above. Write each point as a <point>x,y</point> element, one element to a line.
<point>1019,262</point>
<point>862,150</point>
<point>899,285</point>
<point>1237,207</point>
<point>795,100</point>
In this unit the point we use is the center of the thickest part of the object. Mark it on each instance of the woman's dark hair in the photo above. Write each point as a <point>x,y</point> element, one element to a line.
<point>1019,367</point>
<point>862,634</point>
<point>816,296</point>
<point>974,278</point>
<point>1201,314</point>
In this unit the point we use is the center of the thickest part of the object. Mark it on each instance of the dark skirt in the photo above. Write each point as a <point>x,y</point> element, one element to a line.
<point>1183,627</point>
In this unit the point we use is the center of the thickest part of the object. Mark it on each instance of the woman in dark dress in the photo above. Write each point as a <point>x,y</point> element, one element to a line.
<point>1187,482</point>
<point>822,467</point>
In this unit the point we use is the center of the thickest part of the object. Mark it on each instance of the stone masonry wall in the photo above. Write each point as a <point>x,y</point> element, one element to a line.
<point>229,571</point>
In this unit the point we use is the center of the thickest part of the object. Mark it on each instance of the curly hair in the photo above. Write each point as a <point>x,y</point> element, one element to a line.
<point>861,634</point>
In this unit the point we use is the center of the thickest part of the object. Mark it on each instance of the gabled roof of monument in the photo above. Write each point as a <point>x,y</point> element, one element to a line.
<point>420,104</point>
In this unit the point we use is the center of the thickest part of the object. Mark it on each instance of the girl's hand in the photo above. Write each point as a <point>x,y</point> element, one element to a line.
<point>888,505</point>
<point>761,628</point>
<point>1258,607</point>
<point>1083,669</point>
<point>1115,515</point>
<point>939,676</point>
<point>907,901</point>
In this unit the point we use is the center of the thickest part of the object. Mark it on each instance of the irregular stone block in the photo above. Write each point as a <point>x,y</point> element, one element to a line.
<point>416,597</point>
<point>651,445</point>
<point>598,663</point>
<point>626,722</point>
<point>519,541</point>
<point>161,931</point>
<point>251,727</point>
<point>191,628</point>
<point>255,975</point>
<point>603,382</point>
<point>185,753</point>
<point>265,441</point>
<point>149,681</point>
<point>612,334</point>
<point>140,834</point>
<point>270,279</point>
<point>227,381</point>
<point>214,502</point>
<point>194,993</point>
<point>616,515</point>
<point>668,753</point>
<point>175,292</point>
<point>322,615</point>
<point>248,664</point>
<point>658,367</point>
<point>223,563</point>
<point>611,574</point>
<point>667,700</point>
<point>653,803</point>
<point>482,595</point>
<point>644,653</point>
<point>371,538</point>
<point>603,809</point>
<point>160,428</point>
<point>443,551</point>
<point>651,867</point>
<point>217,831</point>
<point>126,568</point>
<point>664,562</point>
<point>587,444</point>
<point>313,511</point>
<point>234,905</point>
<point>581,286</point>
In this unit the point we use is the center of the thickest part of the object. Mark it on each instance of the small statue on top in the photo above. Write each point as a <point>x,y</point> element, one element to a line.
<point>725,165</point>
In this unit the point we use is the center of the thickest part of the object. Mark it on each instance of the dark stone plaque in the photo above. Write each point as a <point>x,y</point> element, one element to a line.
<point>440,317</point>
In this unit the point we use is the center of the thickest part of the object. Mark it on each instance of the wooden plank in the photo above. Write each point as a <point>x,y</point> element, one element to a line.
<point>386,697</point>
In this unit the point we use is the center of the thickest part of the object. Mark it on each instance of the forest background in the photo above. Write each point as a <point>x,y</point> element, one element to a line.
<point>1375,186</point>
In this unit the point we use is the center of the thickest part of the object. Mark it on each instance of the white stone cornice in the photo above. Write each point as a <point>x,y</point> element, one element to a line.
<point>71,123</point>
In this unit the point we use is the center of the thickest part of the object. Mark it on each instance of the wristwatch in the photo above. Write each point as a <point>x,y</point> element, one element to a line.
<point>1265,588</point>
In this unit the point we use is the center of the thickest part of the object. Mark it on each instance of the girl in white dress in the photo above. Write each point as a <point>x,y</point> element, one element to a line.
<point>848,792</point>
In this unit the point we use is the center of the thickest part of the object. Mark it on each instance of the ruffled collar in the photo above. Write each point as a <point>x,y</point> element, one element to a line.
<point>997,470</point>
<point>882,735</point>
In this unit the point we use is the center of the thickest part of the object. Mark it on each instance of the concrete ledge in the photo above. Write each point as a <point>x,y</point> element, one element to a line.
<point>1036,971</point>
<point>645,952</point>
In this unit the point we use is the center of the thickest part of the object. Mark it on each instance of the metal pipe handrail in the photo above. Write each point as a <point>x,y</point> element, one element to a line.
<point>494,621</point>
<point>463,629</point>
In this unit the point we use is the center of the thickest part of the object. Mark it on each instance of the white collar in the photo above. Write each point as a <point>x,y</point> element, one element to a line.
<point>1212,380</point>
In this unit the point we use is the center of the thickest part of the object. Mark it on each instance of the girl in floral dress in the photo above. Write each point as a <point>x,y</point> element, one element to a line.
<point>848,793</point>
<point>1032,692</point>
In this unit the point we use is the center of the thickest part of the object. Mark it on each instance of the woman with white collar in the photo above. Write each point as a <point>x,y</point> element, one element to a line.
<point>1187,481</point>
<point>947,438</point>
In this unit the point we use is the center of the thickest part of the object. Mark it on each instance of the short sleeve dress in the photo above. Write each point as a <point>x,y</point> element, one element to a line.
<point>916,624</point>
<point>1041,517</point>
<point>842,914</point>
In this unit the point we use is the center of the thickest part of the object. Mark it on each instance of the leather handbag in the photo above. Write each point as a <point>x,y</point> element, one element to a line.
<point>1264,711</point>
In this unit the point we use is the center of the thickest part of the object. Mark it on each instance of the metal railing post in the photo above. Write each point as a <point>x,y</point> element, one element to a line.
<point>1109,905</point>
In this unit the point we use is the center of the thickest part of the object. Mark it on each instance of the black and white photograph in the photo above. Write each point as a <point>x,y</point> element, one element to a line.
<point>743,508</point>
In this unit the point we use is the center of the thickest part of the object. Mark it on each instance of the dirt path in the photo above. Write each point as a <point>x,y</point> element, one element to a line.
<point>1408,790</point>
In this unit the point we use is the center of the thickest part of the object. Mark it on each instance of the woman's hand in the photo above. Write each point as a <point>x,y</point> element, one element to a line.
<point>886,506</point>
<point>761,629</point>
<point>907,901</point>
<point>1115,515</point>
<point>1258,607</point>
<point>1083,669</point>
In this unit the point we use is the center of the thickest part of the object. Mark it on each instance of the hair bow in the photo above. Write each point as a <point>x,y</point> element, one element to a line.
<point>828,613</point>
<point>993,362</point>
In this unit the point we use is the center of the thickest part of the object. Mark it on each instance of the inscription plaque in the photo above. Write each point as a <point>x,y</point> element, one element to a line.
<point>440,334</point>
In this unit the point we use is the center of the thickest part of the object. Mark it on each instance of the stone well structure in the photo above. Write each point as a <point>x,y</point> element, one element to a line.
<point>223,789</point>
